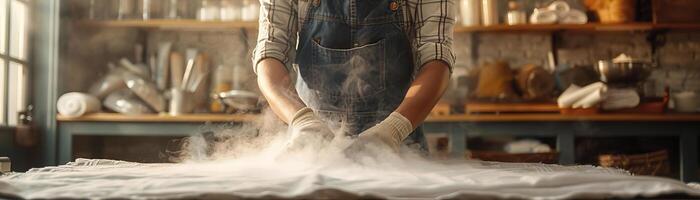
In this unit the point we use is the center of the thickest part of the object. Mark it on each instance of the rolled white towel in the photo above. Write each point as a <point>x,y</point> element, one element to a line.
<point>77,104</point>
<point>522,146</point>
<point>592,99</point>
<point>575,93</point>
<point>621,98</point>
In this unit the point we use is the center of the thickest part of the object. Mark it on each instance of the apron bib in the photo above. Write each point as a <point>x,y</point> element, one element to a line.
<point>354,62</point>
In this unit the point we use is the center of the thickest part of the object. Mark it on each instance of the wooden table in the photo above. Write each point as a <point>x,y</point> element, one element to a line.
<point>565,128</point>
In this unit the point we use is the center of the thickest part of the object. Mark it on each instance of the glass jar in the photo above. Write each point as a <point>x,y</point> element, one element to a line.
<point>149,9</point>
<point>175,9</point>
<point>122,9</point>
<point>230,10</point>
<point>250,10</point>
<point>209,11</point>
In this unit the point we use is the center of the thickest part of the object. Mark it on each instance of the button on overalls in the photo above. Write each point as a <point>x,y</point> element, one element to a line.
<point>355,63</point>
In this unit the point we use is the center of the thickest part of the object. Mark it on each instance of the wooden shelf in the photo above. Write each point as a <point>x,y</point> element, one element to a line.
<point>578,27</point>
<point>170,24</point>
<point>549,117</point>
<point>529,117</point>
<point>213,25</point>
<point>115,117</point>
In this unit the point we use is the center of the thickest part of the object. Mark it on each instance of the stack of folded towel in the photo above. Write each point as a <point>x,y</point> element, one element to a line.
<point>583,97</point>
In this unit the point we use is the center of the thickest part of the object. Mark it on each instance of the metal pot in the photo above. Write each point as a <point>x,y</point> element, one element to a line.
<point>240,100</point>
<point>623,72</point>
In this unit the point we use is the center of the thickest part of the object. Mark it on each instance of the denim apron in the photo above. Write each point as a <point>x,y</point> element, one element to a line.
<point>354,63</point>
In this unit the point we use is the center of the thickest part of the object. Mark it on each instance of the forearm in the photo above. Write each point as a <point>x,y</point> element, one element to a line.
<point>425,91</point>
<point>276,85</point>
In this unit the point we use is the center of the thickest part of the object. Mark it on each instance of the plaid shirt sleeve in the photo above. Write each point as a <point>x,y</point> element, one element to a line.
<point>434,26</point>
<point>276,32</point>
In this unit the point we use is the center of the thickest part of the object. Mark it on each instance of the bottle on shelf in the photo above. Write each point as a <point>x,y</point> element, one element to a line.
<point>231,10</point>
<point>208,11</point>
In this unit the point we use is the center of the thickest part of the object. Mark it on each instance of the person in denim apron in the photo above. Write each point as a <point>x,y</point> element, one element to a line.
<point>354,67</point>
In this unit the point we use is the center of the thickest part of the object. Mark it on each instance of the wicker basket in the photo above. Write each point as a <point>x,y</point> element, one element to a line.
<point>547,158</point>
<point>654,163</point>
<point>613,11</point>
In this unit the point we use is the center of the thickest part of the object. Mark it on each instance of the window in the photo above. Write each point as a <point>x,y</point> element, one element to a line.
<point>14,43</point>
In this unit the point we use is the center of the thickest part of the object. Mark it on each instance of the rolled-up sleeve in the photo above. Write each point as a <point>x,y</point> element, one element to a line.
<point>434,25</point>
<point>277,32</point>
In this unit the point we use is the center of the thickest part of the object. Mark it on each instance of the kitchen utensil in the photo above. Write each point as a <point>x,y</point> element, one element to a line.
<point>111,82</point>
<point>124,102</point>
<point>199,73</point>
<point>187,75</point>
<point>489,12</point>
<point>140,70</point>
<point>190,56</point>
<point>471,12</point>
<point>146,91</point>
<point>686,101</point>
<point>178,101</point>
<point>240,100</point>
<point>163,55</point>
<point>153,65</point>
<point>139,61</point>
<point>177,70</point>
<point>630,72</point>
<point>222,83</point>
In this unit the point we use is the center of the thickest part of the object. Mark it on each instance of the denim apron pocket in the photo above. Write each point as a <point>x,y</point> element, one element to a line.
<point>350,74</point>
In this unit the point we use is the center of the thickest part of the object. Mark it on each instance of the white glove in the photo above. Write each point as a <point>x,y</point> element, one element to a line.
<point>392,131</point>
<point>308,129</point>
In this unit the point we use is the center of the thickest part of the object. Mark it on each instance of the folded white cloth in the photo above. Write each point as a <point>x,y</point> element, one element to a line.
<point>526,146</point>
<point>77,104</point>
<point>586,97</point>
<point>620,99</point>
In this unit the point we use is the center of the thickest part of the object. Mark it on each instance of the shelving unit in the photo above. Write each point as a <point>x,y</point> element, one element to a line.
<point>208,25</point>
<point>527,117</point>
<point>170,24</point>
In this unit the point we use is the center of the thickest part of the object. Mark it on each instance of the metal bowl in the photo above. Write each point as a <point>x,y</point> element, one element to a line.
<point>624,72</point>
<point>239,99</point>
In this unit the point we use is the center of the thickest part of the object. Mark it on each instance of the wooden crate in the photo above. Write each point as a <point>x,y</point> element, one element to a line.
<point>654,163</point>
<point>477,107</point>
<point>547,158</point>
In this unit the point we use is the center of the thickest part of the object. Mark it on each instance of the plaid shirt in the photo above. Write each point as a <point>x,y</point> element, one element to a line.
<point>429,23</point>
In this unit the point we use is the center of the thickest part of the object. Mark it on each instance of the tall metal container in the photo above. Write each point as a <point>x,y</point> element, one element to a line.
<point>471,12</point>
<point>489,12</point>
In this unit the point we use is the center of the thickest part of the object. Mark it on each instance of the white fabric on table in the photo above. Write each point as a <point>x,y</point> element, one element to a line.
<point>258,178</point>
